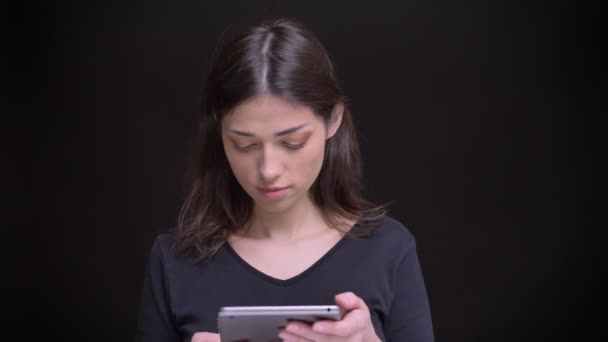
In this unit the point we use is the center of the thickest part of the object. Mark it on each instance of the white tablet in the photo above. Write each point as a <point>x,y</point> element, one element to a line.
<point>262,323</point>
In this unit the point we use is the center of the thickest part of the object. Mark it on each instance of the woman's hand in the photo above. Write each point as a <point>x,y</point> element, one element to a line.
<point>205,337</point>
<point>356,326</point>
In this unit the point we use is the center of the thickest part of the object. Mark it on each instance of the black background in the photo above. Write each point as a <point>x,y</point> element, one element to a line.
<point>469,122</point>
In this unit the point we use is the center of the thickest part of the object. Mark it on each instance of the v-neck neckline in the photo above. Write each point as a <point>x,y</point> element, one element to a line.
<point>291,280</point>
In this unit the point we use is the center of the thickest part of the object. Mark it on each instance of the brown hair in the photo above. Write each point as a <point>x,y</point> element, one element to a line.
<point>281,58</point>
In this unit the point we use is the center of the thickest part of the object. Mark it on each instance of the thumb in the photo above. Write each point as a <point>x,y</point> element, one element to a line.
<point>349,301</point>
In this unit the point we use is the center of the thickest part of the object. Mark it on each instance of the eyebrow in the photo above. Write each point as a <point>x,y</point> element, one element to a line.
<point>277,134</point>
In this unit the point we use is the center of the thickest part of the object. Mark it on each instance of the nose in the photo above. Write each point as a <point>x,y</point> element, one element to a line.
<point>269,165</point>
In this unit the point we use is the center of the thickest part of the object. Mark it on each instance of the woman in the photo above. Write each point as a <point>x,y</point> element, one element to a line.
<point>274,214</point>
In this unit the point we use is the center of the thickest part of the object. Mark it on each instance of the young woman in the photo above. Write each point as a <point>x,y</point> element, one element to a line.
<point>274,214</point>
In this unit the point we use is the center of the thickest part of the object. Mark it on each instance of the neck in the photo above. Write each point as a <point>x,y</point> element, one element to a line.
<point>300,220</point>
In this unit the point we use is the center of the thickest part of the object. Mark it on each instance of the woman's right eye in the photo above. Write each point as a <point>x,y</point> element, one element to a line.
<point>245,148</point>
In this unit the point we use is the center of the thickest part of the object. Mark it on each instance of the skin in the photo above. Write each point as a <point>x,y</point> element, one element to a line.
<point>267,160</point>
<point>270,142</point>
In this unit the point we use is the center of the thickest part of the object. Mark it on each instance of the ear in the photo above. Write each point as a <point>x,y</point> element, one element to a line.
<point>335,120</point>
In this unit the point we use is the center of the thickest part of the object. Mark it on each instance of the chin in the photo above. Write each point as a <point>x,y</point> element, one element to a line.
<point>276,206</point>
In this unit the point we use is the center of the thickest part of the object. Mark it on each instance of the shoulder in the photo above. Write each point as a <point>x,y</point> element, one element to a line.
<point>392,230</point>
<point>164,248</point>
<point>163,243</point>
<point>391,236</point>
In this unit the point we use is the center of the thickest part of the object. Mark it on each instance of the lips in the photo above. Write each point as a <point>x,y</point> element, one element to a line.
<point>273,189</point>
<point>274,193</point>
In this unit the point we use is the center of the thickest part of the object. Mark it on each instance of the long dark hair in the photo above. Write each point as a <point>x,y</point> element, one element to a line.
<point>281,58</point>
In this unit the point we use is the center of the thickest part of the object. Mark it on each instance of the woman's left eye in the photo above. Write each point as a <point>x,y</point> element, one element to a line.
<point>293,146</point>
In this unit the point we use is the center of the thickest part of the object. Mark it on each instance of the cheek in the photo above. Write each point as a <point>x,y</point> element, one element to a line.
<point>239,165</point>
<point>309,165</point>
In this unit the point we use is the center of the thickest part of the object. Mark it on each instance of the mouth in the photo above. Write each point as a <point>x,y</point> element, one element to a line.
<point>274,193</point>
<point>273,188</point>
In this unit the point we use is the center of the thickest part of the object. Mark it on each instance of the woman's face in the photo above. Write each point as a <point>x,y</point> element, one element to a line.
<point>275,149</point>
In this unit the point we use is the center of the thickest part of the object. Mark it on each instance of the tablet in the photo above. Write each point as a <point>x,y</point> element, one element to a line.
<point>262,323</point>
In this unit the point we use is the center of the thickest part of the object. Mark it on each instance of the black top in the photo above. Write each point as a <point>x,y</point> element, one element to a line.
<point>180,297</point>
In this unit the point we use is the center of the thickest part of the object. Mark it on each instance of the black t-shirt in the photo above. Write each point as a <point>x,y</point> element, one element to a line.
<point>180,297</point>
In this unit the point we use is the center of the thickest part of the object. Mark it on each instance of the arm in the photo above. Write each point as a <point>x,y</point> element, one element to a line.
<point>155,322</point>
<point>409,317</point>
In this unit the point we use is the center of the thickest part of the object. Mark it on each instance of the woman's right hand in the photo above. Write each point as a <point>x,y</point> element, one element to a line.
<point>205,337</point>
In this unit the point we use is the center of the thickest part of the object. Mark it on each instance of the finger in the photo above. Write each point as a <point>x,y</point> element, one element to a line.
<point>349,301</point>
<point>342,328</point>
<point>291,337</point>
<point>353,322</point>
<point>205,337</point>
<point>305,330</point>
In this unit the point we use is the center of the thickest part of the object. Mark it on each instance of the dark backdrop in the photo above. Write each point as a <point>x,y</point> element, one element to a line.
<point>467,119</point>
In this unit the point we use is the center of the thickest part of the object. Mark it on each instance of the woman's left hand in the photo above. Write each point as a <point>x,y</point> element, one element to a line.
<point>356,326</point>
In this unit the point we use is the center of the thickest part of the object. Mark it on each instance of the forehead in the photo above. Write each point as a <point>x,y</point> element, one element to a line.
<point>269,113</point>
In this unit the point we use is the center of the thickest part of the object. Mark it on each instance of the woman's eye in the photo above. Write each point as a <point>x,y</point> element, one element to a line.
<point>293,146</point>
<point>245,147</point>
